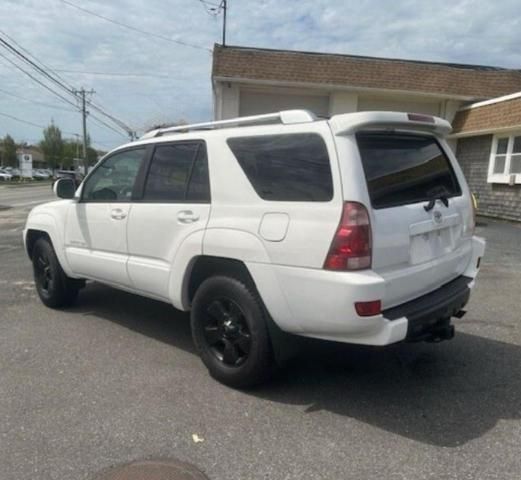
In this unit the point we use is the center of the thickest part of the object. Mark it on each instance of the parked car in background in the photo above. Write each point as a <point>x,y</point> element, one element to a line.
<point>14,172</point>
<point>5,175</point>
<point>39,174</point>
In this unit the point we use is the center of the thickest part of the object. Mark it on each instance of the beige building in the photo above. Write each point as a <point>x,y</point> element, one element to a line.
<point>248,81</point>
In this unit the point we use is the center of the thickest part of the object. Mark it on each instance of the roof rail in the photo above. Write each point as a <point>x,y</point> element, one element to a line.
<point>285,117</point>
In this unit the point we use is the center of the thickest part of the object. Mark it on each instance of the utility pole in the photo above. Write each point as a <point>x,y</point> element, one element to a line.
<point>225,7</point>
<point>84,114</point>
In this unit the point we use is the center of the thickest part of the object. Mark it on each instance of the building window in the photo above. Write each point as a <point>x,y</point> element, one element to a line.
<point>505,159</point>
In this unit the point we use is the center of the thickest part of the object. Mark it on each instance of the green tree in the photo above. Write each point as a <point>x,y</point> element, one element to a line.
<point>9,158</point>
<point>71,150</point>
<point>52,146</point>
<point>92,156</point>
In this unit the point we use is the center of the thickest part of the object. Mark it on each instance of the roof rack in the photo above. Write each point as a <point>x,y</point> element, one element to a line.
<point>285,117</point>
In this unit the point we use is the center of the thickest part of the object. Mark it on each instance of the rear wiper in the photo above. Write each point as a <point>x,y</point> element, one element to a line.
<point>432,202</point>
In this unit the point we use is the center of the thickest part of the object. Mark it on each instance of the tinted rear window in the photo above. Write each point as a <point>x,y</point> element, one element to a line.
<point>291,167</point>
<point>402,169</point>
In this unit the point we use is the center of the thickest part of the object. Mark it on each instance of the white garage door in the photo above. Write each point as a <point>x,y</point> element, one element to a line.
<point>255,103</point>
<point>387,104</point>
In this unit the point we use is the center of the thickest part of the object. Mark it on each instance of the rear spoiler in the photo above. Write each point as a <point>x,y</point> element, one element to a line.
<point>352,122</point>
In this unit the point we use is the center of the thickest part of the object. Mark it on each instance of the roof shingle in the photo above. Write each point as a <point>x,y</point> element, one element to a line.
<point>488,118</point>
<point>476,82</point>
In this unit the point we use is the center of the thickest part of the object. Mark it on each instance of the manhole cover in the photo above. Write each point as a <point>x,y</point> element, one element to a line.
<point>153,470</point>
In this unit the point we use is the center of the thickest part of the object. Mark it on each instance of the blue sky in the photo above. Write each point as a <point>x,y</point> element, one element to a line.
<point>172,81</point>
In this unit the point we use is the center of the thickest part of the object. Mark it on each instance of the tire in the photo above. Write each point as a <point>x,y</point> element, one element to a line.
<point>230,332</point>
<point>54,288</point>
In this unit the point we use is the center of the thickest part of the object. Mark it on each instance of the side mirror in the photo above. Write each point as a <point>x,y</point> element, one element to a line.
<point>64,188</point>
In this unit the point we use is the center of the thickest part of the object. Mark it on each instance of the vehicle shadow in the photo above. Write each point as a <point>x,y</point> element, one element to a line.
<point>443,394</point>
<point>157,320</point>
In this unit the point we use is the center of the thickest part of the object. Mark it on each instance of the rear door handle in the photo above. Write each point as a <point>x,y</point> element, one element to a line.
<point>187,216</point>
<point>118,214</point>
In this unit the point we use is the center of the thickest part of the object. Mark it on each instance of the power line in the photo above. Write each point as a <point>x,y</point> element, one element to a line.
<point>42,71</point>
<point>36,102</point>
<point>21,120</point>
<point>12,117</point>
<point>106,125</point>
<point>111,117</point>
<point>37,80</point>
<point>211,4</point>
<point>112,74</point>
<point>211,8</point>
<point>97,120</point>
<point>34,58</point>
<point>214,10</point>
<point>135,29</point>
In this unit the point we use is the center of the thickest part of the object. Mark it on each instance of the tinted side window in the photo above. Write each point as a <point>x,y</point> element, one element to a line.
<point>178,173</point>
<point>113,180</point>
<point>292,167</point>
<point>199,185</point>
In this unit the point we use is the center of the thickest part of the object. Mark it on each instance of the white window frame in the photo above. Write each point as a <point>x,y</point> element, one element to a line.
<point>505,176</point>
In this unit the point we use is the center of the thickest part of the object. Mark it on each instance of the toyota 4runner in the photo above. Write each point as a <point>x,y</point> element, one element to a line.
<point>358,229</point>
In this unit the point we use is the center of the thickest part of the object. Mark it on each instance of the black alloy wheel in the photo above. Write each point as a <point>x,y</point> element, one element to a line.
<point>43,274</point>
<point>54,287</point>
<point>226,332</point>
<point>230,331</point>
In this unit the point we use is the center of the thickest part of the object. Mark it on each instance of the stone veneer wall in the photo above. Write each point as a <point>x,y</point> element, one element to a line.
<point>494,199</point>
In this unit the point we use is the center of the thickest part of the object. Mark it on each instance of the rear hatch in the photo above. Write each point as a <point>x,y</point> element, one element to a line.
<point>420,211</point>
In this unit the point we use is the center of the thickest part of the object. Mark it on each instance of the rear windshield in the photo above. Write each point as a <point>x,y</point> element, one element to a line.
<point>402,169</point>
<point>291,167</point>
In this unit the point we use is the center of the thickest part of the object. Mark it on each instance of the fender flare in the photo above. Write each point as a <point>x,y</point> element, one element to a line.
<point>45,222</point>
<point>236,245</point>
<point>217,242</point>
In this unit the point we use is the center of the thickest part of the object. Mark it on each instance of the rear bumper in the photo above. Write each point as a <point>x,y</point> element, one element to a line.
<point>430,313</point>
<point>320,304</point>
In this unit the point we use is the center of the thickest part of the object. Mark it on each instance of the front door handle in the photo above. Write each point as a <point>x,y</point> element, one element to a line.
<point>187,216</point>
<point>118,214</point>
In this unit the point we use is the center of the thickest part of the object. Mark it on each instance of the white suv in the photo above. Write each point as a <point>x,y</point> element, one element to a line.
<point>357,229</point>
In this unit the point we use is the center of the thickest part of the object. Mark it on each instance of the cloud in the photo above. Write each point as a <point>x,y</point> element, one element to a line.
<point>62,37</point>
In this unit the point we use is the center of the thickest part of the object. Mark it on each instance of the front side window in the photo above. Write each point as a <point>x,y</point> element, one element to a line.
<point>113,180</point>
<point>178,173</point>
<point>505,159</point>
<point>291,167</point>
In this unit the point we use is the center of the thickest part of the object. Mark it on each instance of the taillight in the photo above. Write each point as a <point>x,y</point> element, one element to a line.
<point>368,309</point>
<point>351,245</point>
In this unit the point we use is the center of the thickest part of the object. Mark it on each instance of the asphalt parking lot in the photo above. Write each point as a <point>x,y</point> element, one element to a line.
<point>116,379</point>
